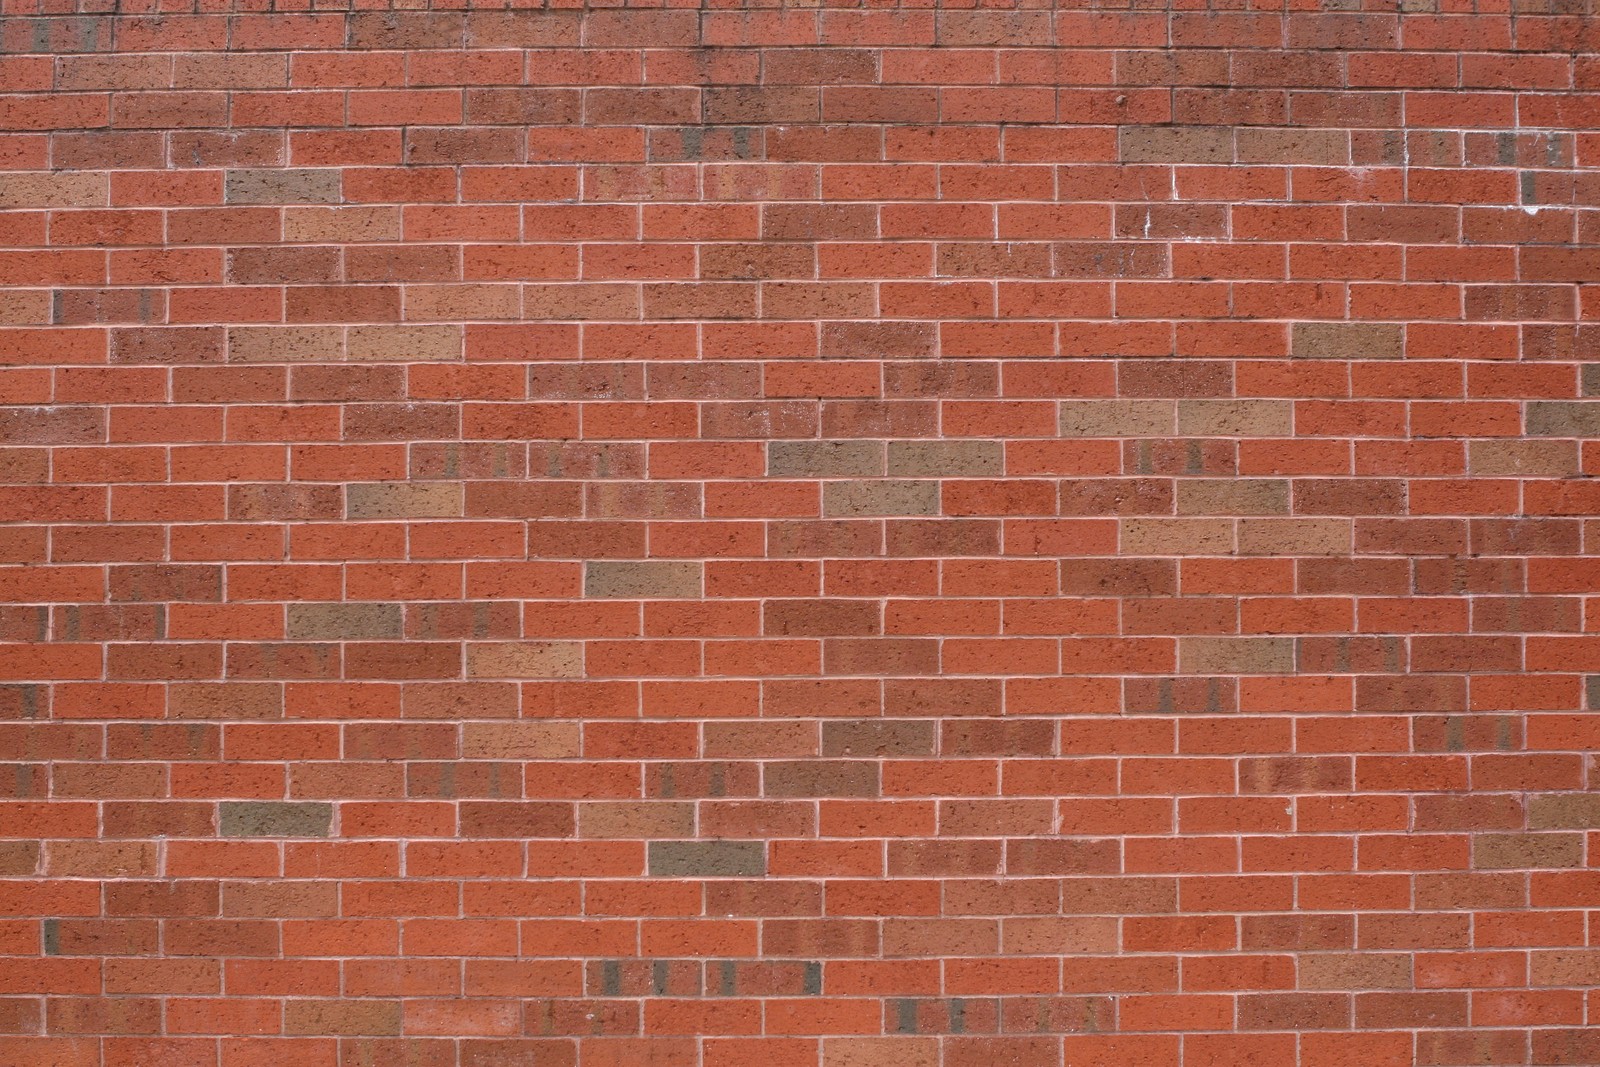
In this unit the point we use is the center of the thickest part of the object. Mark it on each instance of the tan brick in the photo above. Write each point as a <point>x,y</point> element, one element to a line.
<point>285,344</point>
<point>295,185</point>
<point>1564,967</point>
<point>635,819</point>
<point>403,500</point>
<point>824,459</point>
<point>1523,459</point>
<point>1511,851</point>
<point>1347,340</point>
<point>1176,537</point>
<point>1236,655</point>
<point>1564,811</point>
<point>1236,418</point>
<point>1295,537</point>
<point>880,1051</point>
<point>880,497</point>
<point>1175,144</point>
<point>946,459</point>
<point>344,622</point>
<point>310,225</point>
<point>1233,496</point>
<point>404,344</point>
<point>1117,418</point>
<point>59,190</point>
<point>526,659</point>
<point>521,740</point>
<point>1310,147</point>
<point>651,579</point>
<point>343,1016</point>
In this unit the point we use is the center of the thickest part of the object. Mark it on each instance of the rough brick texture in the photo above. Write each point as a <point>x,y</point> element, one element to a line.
<point>799,535</point>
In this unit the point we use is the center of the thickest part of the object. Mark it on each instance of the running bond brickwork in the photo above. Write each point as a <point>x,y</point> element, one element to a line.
<point>799,535</point>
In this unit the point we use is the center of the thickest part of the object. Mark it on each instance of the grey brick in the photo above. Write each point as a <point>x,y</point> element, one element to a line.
<point>275,818</point>
<point>1564,418</point>
<point>708,859</point>
<point>880,497</point>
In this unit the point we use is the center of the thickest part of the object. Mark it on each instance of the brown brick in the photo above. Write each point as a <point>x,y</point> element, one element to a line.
<point>1501,851</point>
<point>404,344</point>
<point>708,859</point>
<point>1294,537</point>
<point>285,344</point>
<point>1558,418</point>
<point>639,579</point>
<point>1117,418</point>
<point>1236,655</point>
<point>520,740</point>
<point>1161,537</point>
<point>820,778</point>
<point>528,659</point>
<point>266,818</point>
<point>1347,340</point>
<point>634,820</point>
<point>1233,496</point>
<point>1235,418</point>
<point>817,618</point>
<point>946,459</point>
<point>401,500</point>
<point>344,622</point>
<point>1522,459</point>
<point>1175,144</point>
<point>824,459</point>
<point>880,497</point>
<point>1564,811</point>
<point>278,187</point>
<point>879,737</point>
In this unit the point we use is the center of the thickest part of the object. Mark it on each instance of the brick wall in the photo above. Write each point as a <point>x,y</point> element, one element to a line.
<point>788,536</point>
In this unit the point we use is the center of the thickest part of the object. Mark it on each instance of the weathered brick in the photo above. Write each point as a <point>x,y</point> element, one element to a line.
<point>272,818</point>
<point>641,579</point>
<point>1347,340</point>
<point>344,622</point>
<point>291,186</point>
<point>708,859</point>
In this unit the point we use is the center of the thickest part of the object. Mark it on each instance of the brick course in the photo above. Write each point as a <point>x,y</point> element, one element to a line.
<point>840,534</point>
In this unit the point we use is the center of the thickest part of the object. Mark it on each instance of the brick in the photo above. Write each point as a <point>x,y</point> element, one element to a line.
<point>1563,419</point>
<point>708,859</point>
<point>275,819</point>
<point>389,500</point>
<point>292,186</point>
<point>641,579</point>
<point>824,459</point>
<point>1346,340</point>
<point>881,497</point>
<point>344,622</point>
<point>1116,418</point>
<point>1175,144</point>
<point>1093,502</point>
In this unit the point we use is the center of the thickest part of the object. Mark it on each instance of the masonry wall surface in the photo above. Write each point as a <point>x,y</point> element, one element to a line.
<point>799,535</point>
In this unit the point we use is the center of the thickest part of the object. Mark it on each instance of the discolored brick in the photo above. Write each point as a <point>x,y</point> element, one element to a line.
<point>275,819</point>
